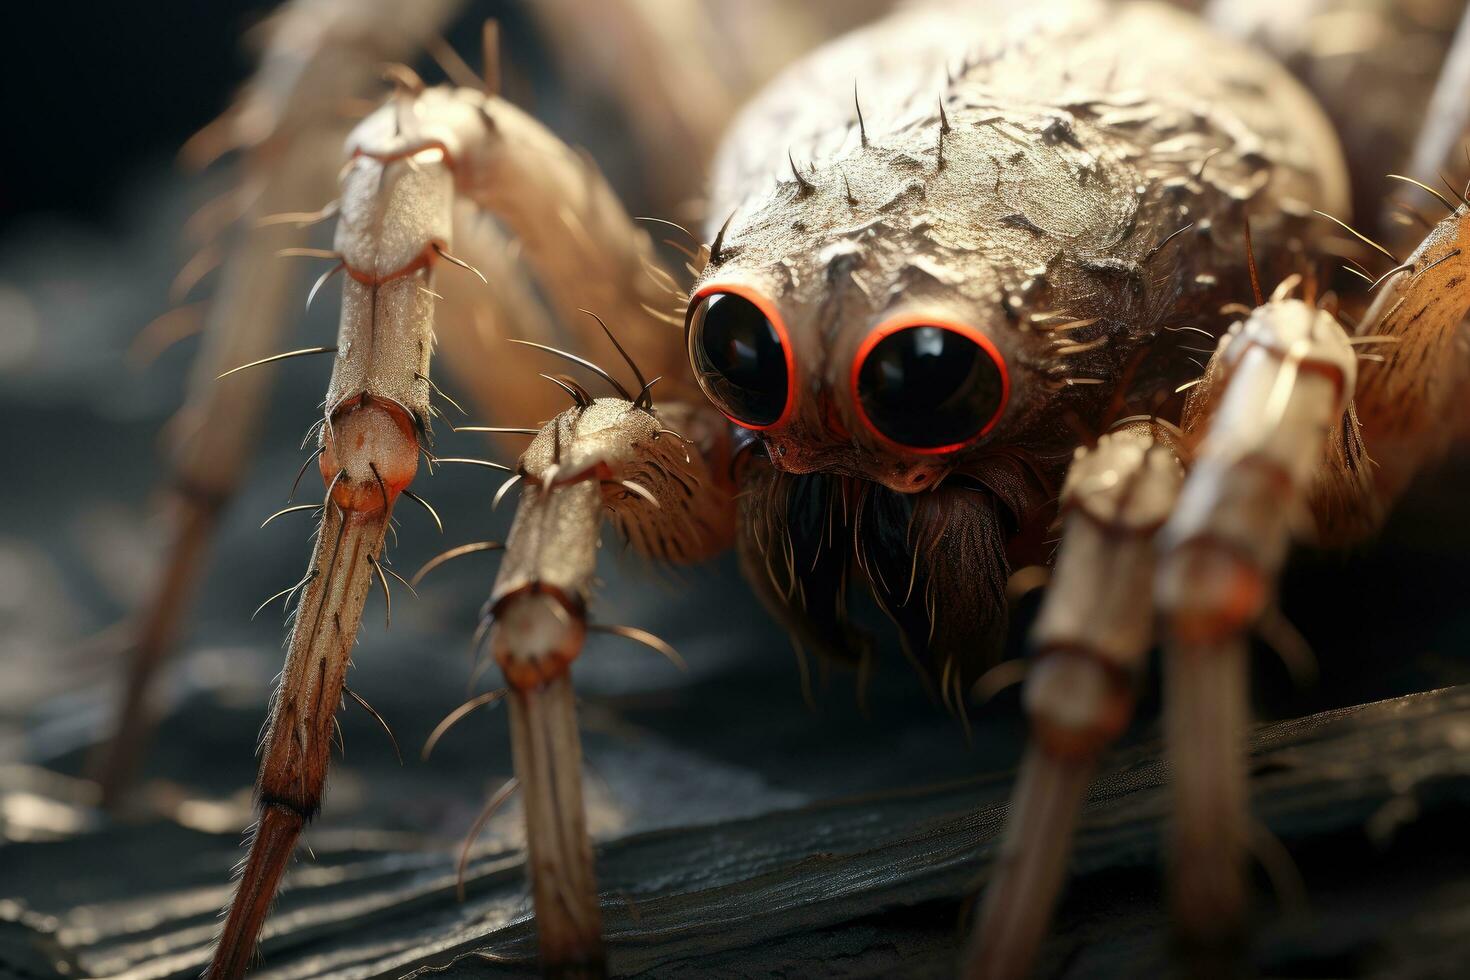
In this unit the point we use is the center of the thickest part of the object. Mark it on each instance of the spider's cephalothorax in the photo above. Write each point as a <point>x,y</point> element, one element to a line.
<point>993,245</point>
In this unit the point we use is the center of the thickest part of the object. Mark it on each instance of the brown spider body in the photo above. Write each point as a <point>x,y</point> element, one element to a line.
<point>1055,181</point>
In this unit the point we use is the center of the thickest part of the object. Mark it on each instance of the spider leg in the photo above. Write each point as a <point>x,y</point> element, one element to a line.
<point>213,436</point>
<point>395,226</point>
<point>1276,392</point>
<point>429,163</point>
<point>1089,646</point>
<point>1270,414</point>
<point>287,125</point>
<point>585,462</point>
<point>1406,400</point>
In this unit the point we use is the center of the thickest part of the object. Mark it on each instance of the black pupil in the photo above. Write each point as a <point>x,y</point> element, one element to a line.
<point>929,387</point>
<point>737,354</point>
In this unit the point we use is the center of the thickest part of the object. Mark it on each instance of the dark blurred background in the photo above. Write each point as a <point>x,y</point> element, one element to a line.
<point>101,95</point>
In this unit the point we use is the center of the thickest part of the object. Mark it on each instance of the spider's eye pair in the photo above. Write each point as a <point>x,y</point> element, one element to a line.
<point>920,385</point>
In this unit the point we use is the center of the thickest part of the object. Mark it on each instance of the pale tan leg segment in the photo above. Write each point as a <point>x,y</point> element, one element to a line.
<point>1090,642</point>
<point>575,235</point>
<point>409,163</point>
<point>412,159</point>
<point>1277,386</point>
<point>396,198</point>
<point>603,455</point>
<point>288,126</point>
<point>567,225</point>
<point>538,630</point>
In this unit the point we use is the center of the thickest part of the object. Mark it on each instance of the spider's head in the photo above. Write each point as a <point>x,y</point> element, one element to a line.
<point>851,341</point>
<point>916,299</point>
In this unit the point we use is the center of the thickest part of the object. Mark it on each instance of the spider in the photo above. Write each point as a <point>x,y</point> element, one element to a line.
<point>956,263</point>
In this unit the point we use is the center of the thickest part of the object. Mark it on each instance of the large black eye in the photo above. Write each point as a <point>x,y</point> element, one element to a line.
<point>740,358</point>
<point>930,388</point>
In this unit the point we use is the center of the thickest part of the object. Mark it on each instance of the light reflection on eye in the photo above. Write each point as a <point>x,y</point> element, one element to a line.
<point>928,341</point>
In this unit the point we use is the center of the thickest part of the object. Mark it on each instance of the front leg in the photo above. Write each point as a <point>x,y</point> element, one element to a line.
<point>286,126</point>
<point>1271,416</point>
<point>395,226</point>
<point>664,493</point>
<point>1089,647</point>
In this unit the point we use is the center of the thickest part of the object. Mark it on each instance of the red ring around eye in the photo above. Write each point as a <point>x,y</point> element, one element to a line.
<point>767,308</point>
<point>907,321</point>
